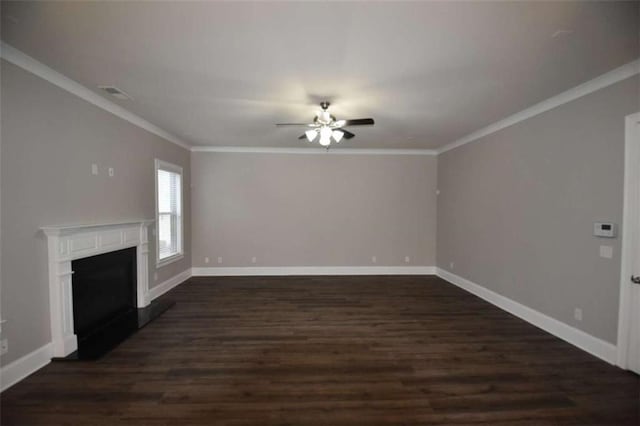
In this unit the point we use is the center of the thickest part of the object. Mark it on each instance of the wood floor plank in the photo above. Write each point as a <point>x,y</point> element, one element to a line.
<point>339,351</point>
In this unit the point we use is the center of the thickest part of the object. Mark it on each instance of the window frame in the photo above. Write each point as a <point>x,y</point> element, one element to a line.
<point>173,168</point>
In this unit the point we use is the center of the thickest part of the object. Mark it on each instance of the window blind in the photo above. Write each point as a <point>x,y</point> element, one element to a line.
<point>169,213</point>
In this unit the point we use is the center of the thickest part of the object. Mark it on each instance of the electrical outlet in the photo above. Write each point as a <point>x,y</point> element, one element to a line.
<point>220,259</point>
<point>451,265</point>
<point>254,260</point>
<point>206,260</point>
<point>407,259</point>
<point>374,259</point>
<point>111,172</point>
<point>4,346</point>
<point>577,314</point>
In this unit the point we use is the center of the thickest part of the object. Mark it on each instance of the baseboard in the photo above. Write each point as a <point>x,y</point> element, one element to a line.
<point>314,270</point>
<point>167,285</point>
<point>19,369</point>
<point>588,343</point>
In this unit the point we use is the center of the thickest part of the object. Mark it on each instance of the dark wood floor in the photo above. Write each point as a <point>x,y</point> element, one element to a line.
<point>330,351</point>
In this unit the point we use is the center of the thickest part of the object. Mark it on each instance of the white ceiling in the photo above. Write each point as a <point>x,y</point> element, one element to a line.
<point>222,74</point>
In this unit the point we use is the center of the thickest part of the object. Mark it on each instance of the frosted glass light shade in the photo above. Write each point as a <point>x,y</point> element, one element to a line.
<point>311,135</point>
<point>337,135</point>
<point>325,136</point>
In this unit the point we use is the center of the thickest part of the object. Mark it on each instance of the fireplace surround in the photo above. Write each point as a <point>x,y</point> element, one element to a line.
<point>67,243</point>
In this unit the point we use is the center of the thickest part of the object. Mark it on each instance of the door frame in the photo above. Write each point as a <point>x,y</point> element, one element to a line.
<point>629,231</point>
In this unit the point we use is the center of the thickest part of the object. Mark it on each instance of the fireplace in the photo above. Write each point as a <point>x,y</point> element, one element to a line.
<point>120,252</point>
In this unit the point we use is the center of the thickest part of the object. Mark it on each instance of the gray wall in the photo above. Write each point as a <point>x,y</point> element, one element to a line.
<point>313,209</point>
<point>516,209</point>
<point>50,138</point>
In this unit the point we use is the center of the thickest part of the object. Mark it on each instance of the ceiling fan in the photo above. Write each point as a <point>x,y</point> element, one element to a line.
<point>328,128</point>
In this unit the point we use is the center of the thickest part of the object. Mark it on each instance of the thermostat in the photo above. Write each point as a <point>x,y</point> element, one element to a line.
<point>604,229</point>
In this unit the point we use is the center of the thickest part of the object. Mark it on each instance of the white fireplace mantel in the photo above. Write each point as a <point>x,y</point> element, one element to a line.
<point>66,243</point>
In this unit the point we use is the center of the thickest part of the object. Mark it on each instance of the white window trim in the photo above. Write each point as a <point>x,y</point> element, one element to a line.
<point>163,165</point>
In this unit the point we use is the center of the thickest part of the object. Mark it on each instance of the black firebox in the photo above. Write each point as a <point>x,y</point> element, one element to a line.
<point>104,301</point>
<point>104,288</point>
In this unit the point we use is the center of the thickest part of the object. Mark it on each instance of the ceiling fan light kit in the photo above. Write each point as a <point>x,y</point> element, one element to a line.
<point>328,128</point>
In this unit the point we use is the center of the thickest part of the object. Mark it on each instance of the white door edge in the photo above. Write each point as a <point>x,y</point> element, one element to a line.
<point>629,231</point>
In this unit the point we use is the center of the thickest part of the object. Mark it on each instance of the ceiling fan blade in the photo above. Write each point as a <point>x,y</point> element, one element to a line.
<point>359,122</point>
<point>294,124</point>
<point>347,134</point>
<point>303,136</point>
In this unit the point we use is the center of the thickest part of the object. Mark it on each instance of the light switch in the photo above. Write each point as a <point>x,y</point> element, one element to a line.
<point>111,172</point>
<point>606,252</point>
<point>94,169</point>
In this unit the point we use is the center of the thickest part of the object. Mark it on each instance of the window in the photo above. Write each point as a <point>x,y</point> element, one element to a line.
<point>168,213</point>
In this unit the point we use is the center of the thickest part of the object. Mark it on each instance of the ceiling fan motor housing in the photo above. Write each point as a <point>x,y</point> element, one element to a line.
<point>324,118</point>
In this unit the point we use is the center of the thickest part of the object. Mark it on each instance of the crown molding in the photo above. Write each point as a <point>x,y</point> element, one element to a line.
<point>26,62</point>
<point>321,151</point>
<point>607,79</point>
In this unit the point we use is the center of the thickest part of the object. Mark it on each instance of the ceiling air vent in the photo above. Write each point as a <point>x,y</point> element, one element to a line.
<point>116,93</point>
